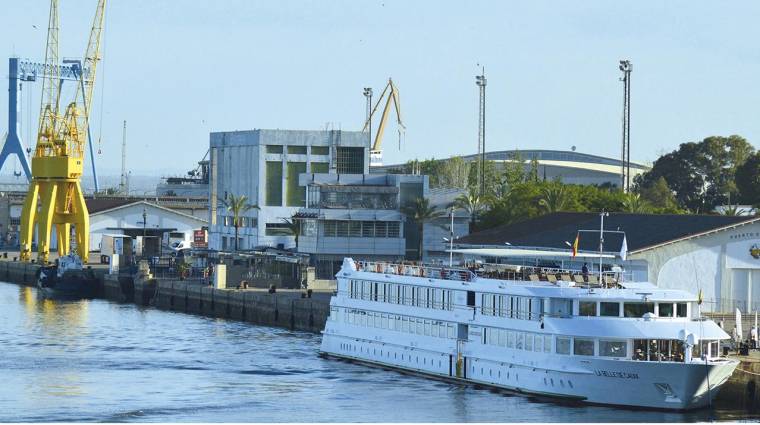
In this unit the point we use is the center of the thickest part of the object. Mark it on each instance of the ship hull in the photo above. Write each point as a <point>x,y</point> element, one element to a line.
<point>649,385</point>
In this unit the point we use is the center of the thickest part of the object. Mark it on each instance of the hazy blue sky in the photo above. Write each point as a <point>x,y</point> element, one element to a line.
<point>176,70</point>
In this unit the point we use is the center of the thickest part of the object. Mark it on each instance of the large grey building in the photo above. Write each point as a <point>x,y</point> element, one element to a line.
<point>264,166</point>
<point>568,166</point>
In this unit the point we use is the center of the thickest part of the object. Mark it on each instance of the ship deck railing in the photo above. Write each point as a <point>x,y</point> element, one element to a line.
<point>553,275</point>
<point>433,272</point>
<point>528,274</point>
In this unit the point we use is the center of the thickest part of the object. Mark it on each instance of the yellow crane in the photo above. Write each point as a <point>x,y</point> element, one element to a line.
<point>376,152</point>
<point>55,196</point>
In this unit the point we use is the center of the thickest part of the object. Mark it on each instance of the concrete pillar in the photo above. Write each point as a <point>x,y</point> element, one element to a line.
<point>220,276</point>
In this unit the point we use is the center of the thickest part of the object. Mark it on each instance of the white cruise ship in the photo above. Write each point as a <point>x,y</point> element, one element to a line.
<point>552,334</point>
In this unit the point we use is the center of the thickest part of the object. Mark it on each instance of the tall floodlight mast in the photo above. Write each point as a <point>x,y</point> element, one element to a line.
<point>480,80</point>
<point>625,167</point>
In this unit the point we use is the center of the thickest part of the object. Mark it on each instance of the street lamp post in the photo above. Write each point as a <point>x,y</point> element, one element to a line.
<point>451,239</point>
<point>601,241</point>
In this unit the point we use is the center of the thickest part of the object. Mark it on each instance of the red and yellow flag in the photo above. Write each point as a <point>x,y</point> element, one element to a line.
<point>575,244</point>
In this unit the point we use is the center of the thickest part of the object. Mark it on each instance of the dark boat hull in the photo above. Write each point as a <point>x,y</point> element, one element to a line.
<point>73,284</point>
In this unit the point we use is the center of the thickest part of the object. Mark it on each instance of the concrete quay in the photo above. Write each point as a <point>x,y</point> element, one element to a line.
<point>284,308</point>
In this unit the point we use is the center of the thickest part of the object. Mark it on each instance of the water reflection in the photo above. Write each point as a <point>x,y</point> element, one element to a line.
<point>101,361</point>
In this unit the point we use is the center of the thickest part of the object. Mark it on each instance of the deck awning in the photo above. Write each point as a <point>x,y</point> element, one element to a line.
<point>521,252</point>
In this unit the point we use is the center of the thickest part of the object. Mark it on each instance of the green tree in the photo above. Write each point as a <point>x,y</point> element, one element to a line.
<point>748,180</point>
<point>633,203</point>
<point>453,173</point>
<point>237,206</point>
<point>553,198</point>
<point>420,212</point>
<point>471,203</point>
<point>700,174</point>
<point>660,197</point>
<point>533,173</point>
<point>514,170</point>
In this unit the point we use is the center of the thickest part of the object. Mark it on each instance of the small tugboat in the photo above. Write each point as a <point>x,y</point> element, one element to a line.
<point>66,279</point>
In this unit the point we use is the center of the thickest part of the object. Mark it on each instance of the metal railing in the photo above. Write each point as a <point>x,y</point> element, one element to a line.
<point>433,272</point>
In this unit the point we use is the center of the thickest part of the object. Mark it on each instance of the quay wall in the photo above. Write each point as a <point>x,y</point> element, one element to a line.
<point>284,308</point>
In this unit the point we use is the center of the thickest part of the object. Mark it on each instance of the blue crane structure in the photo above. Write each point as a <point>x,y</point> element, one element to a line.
<point>23,71</point>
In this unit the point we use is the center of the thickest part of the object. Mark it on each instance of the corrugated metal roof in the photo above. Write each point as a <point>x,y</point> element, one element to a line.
<point>641,230</point>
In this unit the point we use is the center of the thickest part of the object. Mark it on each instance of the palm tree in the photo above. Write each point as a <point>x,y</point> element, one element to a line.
<point>237,205</point>
<point>553,198</point>
<point>420,212</point>
<point>633,203</point>
<point>734,210</point>
<point>294,226</point>
<point>471,203</point>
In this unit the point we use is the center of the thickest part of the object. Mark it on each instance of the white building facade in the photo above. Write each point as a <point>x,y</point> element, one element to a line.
<point>128,218</point>
<point>723,263</point>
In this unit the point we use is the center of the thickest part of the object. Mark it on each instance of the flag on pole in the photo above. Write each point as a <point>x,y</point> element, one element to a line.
<point>624,249</point>
<point>575,244</point>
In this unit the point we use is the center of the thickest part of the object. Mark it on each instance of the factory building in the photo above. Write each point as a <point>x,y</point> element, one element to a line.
<point>719,255</point>
<point>568,166</point>
<point>264,166</point>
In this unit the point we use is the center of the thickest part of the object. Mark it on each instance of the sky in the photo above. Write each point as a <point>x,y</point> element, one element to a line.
<point>176,70</point>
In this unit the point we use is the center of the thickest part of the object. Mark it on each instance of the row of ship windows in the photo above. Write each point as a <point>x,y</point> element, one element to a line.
<point>543,343</point>
<point>394,293</point>
<point>394,322</point>
<point>515,307</point>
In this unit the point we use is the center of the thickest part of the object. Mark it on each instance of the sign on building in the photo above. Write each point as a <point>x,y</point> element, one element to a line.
<point>200,239</point>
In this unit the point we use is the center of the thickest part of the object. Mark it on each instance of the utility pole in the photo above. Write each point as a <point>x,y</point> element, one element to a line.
<point>625,167</point>
<point>480,80</point>
<point>123,182</point>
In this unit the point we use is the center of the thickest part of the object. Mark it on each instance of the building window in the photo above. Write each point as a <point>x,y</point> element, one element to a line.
<point>296,195</point>
<point>320,150</point>
<point>320,167</point>
<point>296,150</point>
<point>274,148</point>
<point>274,183</point>
<point>609,309</point>
<point>587,308</point>
<point>278,229</point>
<point>393,229</point>
<point>350,160</point>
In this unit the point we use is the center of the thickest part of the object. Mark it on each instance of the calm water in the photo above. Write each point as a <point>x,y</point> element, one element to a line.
<point>102,361</point>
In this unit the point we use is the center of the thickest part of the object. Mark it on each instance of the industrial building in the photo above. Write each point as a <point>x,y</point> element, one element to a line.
<point>138,218</point>
<point>568,166</point>
<point>264,166</point>
<point>359,216</point>
<point>718,255</point>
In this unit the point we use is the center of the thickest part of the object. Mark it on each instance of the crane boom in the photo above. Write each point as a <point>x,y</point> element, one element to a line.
<point>376,152</point>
